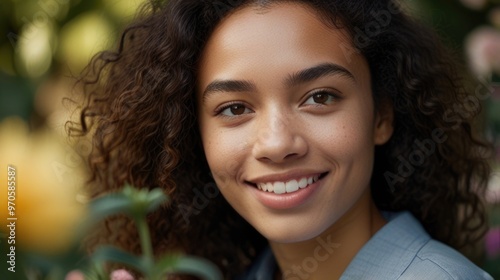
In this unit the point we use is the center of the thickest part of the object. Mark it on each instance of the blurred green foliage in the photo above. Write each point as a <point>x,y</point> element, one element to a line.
<point>41,39</point>
<point>136,203</point>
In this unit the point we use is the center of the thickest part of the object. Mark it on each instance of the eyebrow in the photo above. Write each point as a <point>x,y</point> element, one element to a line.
<point>316,72</point>
<point>303,76</point>
<point>228,86</point>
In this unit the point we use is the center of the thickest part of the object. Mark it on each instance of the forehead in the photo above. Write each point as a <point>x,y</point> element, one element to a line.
<point>291,35</point>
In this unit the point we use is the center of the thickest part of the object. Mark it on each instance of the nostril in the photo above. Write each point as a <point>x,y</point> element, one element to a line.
<point>279,147</point>
<point>291,155</point>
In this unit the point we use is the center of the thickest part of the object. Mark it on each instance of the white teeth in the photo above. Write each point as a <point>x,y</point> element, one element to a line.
<point>279,188</point>
<point>292,186</point>
<point>287,187</point>
<point>303,183</point>
<point>270,187</point>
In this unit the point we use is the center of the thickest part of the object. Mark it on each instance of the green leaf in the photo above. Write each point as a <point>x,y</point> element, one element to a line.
<point>143,201</point>
<point>96,272</point>
<point>131,201</point>
<point>112,254</point>
<point>155,198</point>
<point>164,265</point>
<point>189,265</point>
<point>108,205</point>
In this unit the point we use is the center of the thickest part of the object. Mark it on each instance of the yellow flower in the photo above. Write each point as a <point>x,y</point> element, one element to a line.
<point>48,178</point>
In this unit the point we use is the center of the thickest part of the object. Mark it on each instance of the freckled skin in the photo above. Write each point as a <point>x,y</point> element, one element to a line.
<point>282,131</point>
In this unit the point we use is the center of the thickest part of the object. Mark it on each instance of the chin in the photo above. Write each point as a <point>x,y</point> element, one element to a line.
<point>287,233</point>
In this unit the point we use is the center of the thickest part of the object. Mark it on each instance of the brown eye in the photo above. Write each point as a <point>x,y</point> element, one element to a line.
<point>237,109</point>
<point>234,110</point>
<point>321,97</point>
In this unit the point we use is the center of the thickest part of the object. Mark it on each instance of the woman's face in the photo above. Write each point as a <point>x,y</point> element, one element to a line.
<point>287,120</point>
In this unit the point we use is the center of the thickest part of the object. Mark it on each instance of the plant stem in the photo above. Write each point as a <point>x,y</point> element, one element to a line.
<point>147,249</point>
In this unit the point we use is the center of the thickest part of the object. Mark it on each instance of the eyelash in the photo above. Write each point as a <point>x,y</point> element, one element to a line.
<point>330,93</point>
<point>219,110</point>
<point>334,96</point>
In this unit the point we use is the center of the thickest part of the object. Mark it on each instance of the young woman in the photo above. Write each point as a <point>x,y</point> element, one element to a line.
<point>296,139</point>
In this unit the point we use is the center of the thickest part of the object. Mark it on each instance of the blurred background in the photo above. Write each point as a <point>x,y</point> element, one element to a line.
<point>44,44</point>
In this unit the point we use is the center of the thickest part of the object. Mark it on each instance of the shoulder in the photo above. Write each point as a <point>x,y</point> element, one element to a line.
<point>403,250</point>
<point>436,260</point>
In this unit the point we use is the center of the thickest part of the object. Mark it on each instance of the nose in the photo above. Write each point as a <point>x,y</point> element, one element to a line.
<point>278,139</point>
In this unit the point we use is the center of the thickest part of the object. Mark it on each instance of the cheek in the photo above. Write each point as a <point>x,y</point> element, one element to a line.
<point>225,152</point>
<point>348,146</point>
<point>346,136</point>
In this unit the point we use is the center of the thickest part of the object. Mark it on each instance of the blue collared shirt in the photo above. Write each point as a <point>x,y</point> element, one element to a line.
<point>401,249</point>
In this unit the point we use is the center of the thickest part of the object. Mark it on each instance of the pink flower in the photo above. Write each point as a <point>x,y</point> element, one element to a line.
<point>483,50</point>
<point>121,274</point>
<point>75,275</point>
<point>493,242</point>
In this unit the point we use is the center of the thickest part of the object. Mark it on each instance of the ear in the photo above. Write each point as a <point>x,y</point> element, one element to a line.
<point>384,122</point>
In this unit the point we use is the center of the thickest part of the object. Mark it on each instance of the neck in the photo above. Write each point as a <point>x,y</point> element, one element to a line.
<point>328,255</point>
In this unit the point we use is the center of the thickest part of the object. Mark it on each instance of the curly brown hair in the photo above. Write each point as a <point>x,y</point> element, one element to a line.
<point>140,110</point>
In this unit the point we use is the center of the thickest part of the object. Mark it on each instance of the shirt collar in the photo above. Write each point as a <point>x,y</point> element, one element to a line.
<point>389,252</point>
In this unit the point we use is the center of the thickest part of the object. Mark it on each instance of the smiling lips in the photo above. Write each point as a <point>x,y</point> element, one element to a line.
<point>286,190</point>
<point>289,186</point>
